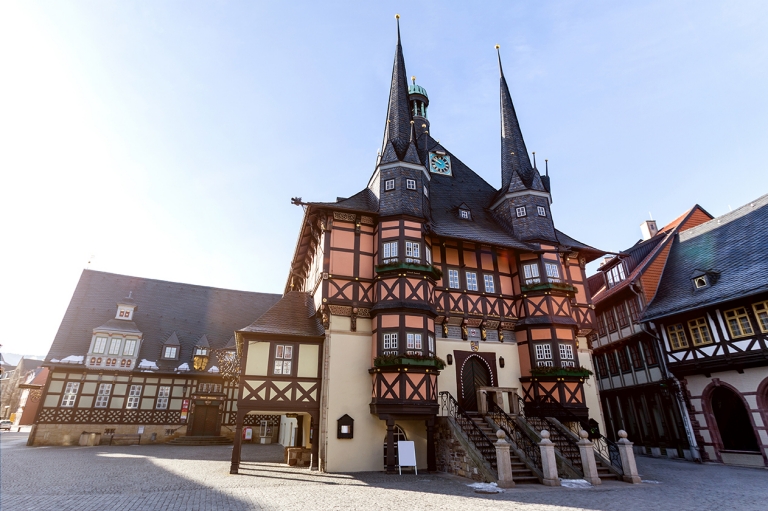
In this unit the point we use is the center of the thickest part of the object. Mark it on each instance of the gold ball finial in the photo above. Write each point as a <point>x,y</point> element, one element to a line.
<point>497,46</point>
<point>397,16</point>
<point>413,79</point>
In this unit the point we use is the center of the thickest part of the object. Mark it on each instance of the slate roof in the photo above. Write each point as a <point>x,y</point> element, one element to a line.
<point>364,200</point>
<point>294,314</point>
<point>164,308</point>
<point>731,248</point>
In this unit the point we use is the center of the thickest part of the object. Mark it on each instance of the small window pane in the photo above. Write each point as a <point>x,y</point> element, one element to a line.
<point>453,279</point>
<point>489,285</point>
<point>288,353</point>
<point>279,351</point>
<point>278,367</point>
<point>287,367</point>
<point>471,281</point>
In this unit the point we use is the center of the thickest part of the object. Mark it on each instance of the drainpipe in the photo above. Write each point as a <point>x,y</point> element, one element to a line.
<point>678,390</point>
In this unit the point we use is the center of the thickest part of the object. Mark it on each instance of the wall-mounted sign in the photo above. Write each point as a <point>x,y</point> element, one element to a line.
<point>474,345</point>
<point>184,410</point>
<point>473,334</point>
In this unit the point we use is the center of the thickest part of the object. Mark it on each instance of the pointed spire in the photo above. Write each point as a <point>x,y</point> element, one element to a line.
<point>516,170</point>
<point>398,112</point>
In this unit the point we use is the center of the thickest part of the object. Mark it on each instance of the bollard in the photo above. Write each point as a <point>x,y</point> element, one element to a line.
<point>588,464</point>
<point>503,463</point>
<point>628,459</point>
<point>548,460</point>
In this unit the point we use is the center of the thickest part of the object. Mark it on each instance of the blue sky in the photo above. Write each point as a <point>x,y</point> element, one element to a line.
<point>166,138</point>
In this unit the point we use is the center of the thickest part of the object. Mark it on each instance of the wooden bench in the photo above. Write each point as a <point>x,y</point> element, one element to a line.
<point>126,437</point>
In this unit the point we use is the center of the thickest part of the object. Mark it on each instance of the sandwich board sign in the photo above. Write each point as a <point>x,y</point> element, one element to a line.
<point>406,456</point>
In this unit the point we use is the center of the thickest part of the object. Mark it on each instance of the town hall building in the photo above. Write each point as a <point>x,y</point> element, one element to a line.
<point>428,292</point>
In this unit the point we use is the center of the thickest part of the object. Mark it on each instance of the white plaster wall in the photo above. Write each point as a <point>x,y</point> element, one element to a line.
<point>591,390</point>
<point>745,382</point>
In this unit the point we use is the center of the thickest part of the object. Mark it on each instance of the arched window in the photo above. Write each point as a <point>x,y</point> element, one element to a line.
<point>399,437</point>
<point>733,422</point>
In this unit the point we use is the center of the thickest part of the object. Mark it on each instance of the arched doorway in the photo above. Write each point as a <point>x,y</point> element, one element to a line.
<point>733,422</point>
<point>399,437</point>
<point>474,374</point>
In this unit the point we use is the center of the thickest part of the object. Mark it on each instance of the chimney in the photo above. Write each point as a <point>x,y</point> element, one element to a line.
<point>649,229</point>
<point>606,260</point>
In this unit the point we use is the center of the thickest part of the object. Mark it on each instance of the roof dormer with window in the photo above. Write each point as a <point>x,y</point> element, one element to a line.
<point>116,343</point>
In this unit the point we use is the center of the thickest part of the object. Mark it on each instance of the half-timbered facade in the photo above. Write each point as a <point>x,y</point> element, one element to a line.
<point>143,357</point>
<point>430,279</point>
<point>637,392</point>
<point>711,312</point>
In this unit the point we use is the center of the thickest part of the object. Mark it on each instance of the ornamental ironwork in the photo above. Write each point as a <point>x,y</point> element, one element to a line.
<point>229,365</point>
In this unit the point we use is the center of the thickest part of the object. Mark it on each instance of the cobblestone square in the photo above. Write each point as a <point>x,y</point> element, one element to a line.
<point>145,477</point>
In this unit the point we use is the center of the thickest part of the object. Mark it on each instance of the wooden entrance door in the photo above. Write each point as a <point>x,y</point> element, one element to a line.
<point>474,374</point>
<point>206,420</point>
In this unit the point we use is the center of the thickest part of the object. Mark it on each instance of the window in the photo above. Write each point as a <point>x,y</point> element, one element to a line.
<point>623,360</point>
<point>426,192</point>
<point>464,213</point>
<point>677,337</point>
<point>102,398</point>
<point>163,394</point>
<point>390,250</point>
<point>650,353</point>
<point>612,366</point>
<point>170,352</point>
<point>390,344</point>
<point>133,396</point>
<point>699,332</point>
<point>738,322</point>
<point>700,282</point>
<point>541,210</point>
<point>431,340</point>
<point>410,184</point>
<point>601,325</point>
<point>634,353</point>
<point>283,359</point>
<point>553,272</point>
<point>130,347</point>
<point>99,345</point>
<point>621,312</point>
<point>489,285</point>
<point>531,273</point>
<point>412,250</point>
<point>615,274</point>
<point>428,254</point>
<point>114,346</point>
<point>453,279</point>
<point>601,366</point>
<point>472,281</point>
<point>413,342</point>
<point>520,212</point>
<point>70,393</point>
<point>610,319</point>
<point>633,312</point>
<point>761,313</point>
<point>566,356</point>
<point>389,184</point>
<point>543,355</point>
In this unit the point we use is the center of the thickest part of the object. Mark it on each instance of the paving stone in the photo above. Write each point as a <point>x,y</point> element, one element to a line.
<point>163,477</point>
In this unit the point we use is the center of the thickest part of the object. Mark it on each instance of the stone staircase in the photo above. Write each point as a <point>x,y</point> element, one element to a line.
<point>520,471</point>
<point>200,440</point>
<point>569,449</point>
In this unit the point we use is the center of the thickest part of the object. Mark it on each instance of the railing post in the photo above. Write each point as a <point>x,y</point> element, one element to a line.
<point>548,460</point>
<point>588,465</point>
<point>503,462</point>
<point>627,459</point>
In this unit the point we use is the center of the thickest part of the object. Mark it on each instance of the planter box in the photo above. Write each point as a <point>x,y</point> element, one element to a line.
<point>404,361</point>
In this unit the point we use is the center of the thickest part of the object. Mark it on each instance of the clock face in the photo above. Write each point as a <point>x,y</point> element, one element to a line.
<point>440,164</point>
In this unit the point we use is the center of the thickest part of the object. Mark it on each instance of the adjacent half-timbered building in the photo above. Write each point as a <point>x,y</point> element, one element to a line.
<point>144,358</point>
<point>428,280</point>
<point>638,393</point>
<point>711,312</point>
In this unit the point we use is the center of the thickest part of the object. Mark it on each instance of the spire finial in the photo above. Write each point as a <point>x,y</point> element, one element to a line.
<point>546,165</point>
<point>413,79</point>
<point>498,54</point>
<point>534,159</point>
<point>397,17</point>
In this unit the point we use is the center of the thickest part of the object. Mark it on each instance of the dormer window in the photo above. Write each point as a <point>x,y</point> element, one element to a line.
<point>615,274</point>
<point>201,352</point>
<point>701,282</point>
<point>171,352</point>
<point>541,210</point>
<point>99,345</point>
<point>114,346</point>
<point>124,313</point>
<point>464,214</point>
<point>410,184</point>
<point>520,212</point>
<point>129,349</point>
<point>389,184</point>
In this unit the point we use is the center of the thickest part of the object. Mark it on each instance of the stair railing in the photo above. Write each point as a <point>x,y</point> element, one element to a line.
<point>517,435</point>
<point>450,407</point>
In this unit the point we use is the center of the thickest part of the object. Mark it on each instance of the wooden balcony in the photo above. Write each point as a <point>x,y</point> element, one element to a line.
<point>404,390</point>
<point>552,394</point>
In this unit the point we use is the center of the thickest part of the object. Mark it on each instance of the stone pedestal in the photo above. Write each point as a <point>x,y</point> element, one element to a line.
<point>588,464</point>
<point>503,462</point>
<point>628,459</point>
<point>548,460</point>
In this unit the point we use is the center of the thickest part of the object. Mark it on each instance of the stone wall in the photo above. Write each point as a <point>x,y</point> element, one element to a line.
<point>454,456</point>
<point>69,434</point>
